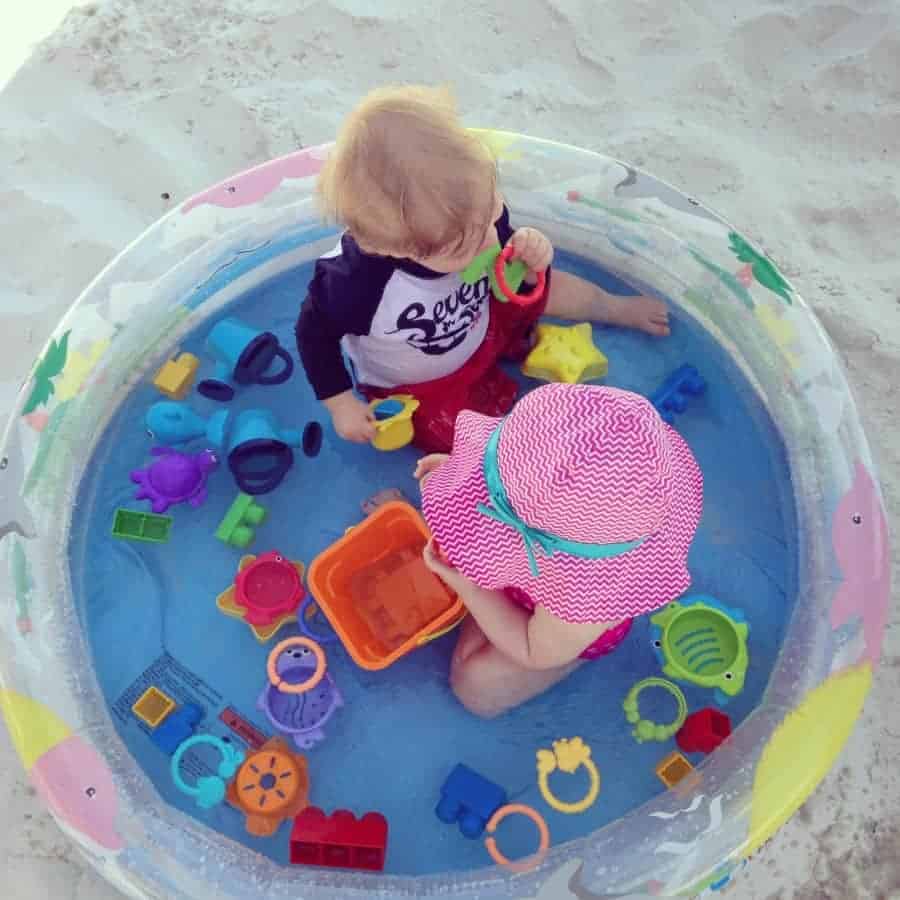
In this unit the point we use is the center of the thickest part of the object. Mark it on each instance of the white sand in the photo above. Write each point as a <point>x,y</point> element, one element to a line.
<point>785,116</point>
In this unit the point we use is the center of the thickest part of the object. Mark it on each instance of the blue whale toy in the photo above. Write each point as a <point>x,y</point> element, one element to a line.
<point>258,450</point>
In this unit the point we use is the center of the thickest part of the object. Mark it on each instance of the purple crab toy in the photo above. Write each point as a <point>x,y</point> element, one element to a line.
<point>174,477</point>
<point>300,716</point>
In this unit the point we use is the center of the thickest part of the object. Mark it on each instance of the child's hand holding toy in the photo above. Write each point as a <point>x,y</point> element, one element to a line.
<point>353,420</point>
<point>533,248</point>
<point>440,565</point>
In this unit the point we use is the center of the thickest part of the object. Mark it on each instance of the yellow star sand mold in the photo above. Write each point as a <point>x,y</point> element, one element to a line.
<point>565,353</point>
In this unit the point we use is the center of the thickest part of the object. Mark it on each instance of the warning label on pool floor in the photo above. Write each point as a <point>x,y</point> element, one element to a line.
<point>186,688</point>
<point>173,679</point>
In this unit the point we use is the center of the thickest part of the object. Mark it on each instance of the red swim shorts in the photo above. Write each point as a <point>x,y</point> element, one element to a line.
<point>480,385</point>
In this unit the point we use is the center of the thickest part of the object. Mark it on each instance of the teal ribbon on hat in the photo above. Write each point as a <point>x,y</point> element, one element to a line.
<point>501,510</point>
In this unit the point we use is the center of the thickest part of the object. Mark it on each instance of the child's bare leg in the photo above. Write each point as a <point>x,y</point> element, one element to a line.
<point>574,298</point>
<point>471,639</point>
<point>488,683</point>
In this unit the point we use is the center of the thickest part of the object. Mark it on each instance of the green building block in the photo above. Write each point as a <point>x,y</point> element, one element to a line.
<point>132,525</point>
<point>238,528</point>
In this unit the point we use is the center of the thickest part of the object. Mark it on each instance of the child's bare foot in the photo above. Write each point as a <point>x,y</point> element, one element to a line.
<point>643,313</point>
<point>386,496</point>
<point>580,300</point>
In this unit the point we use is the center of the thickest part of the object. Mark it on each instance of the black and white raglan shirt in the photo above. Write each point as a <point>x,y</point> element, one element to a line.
<point>397,321</point>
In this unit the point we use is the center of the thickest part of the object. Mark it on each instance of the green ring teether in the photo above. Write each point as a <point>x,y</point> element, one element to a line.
<point>644,729</point>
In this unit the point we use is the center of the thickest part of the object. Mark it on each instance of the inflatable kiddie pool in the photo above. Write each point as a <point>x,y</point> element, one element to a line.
<point>794,535</point>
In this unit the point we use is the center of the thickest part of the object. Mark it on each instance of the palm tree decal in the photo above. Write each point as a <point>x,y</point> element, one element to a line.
<point>45,371</point>
<point>732,282</point>
<point>764,270</point>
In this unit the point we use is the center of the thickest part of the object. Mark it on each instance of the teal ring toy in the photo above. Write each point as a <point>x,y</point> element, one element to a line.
<point>209,791</point>
<point>644,729</point>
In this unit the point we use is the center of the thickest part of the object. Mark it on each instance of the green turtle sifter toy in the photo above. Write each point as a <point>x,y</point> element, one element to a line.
<point>702,641</point>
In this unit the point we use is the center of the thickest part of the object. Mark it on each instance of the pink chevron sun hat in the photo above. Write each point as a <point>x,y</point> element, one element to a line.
<point>582,497</point>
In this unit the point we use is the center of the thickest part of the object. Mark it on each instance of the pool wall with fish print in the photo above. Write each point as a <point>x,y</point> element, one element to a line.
<point>261,223</point>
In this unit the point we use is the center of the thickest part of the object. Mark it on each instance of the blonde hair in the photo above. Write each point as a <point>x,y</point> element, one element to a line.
<point>406,178</point>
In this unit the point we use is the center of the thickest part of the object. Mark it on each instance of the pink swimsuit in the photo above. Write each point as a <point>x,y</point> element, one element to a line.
<point>606,643</point>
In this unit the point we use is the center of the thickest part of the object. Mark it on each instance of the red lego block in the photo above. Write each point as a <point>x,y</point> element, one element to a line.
<point>339,841</point>
<point>703,731</point>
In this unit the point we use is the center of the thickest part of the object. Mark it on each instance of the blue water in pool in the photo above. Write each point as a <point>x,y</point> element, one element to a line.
<point>150,615</point>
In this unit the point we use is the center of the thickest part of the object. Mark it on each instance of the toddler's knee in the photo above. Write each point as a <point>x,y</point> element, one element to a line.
<point>471,693</point>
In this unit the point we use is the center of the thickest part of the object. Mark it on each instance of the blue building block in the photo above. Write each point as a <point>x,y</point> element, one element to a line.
<point>671,397</point>
<point>469,799</point>
<point>177,728</point>
<point>387,409</point>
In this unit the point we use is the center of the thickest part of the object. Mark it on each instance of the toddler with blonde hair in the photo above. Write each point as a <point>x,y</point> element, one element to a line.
<point>418,195</point>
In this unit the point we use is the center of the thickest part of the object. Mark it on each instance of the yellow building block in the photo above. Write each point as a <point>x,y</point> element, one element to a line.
<point>153,706</point>
<point>565,353</point>
<point>673,769</point>
<point>177,376</point>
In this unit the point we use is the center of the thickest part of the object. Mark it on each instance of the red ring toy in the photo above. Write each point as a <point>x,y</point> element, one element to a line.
<point>532,296</point>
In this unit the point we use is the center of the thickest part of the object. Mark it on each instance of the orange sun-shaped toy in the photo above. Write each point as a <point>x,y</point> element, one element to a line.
<point>271,786</point>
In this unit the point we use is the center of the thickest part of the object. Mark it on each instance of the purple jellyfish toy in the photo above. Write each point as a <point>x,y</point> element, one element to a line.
<point>300,716</point>
<point>174,477</point>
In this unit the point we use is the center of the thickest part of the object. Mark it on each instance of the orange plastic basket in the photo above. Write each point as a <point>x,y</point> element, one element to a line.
<point>376,590</point>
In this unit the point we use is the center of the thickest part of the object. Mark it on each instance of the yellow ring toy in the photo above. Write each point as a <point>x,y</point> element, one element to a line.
<point>304,686</point>
<point>530,862</point>
<point>568,756</point>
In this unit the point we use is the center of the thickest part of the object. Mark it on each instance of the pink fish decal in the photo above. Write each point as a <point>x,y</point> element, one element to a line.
<point>77,786</point>
<point>860,537</point>
<point>67,772</point>
<point>257,183</point>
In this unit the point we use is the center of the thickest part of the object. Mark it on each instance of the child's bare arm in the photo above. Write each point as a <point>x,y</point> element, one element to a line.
<point>427,464</point>
<point>532,640</point>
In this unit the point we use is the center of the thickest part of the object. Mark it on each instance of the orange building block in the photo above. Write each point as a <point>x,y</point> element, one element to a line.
<point>153,706</point>
<point>673,769</point>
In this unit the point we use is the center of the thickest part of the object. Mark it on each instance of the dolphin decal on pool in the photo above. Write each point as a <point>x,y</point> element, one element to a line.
<point>16,515</point>
<point>67,772</point>
<point>639,186</point>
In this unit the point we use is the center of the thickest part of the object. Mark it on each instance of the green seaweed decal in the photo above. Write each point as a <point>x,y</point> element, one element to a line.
<point>46,442</point>
<point>730,281</point>
<point>764,270</point>
<point>45,371</point>
<point>23,585</point>
<point>578,197</point>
